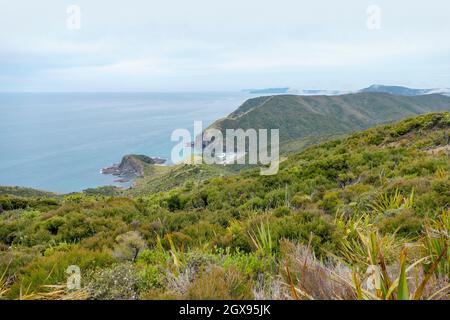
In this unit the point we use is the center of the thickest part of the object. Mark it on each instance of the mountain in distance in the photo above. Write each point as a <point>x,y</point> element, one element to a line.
<point>405,91</point>
<point>303,120</point>
<point>268,90</point>
<point>288,90</point>
<point>313,92</point>
<point>376,88</point>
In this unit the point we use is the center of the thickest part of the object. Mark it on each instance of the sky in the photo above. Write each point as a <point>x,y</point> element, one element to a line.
<point>212,45</point>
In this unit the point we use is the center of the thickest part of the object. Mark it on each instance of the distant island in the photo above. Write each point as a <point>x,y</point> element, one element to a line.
<point>375,88</point>
<point>267,90</point>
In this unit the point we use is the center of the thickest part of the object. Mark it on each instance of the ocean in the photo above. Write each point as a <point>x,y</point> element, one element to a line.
<point>60,141</point>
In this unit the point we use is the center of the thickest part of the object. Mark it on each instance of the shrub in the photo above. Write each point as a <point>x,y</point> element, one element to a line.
<point>300,201</point>
<point>219,284</point>
<point>51,270</point>
<point>306,227</point>
<point>250,264</point>
<point>153,257</point>
<point>13,203</point>
<point>255,203</point>
<point>282,211</point>
<point>151,277</point>
<point>405,223</point>
<point>201,232</point>
<point>275,198</point>
<point>174,202</point>
<point>119,282</point>
<point>129,245</point>
<point>330,202</point>
<point>236,237</point>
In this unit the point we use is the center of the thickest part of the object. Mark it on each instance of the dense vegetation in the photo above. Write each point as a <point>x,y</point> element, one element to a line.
<point>25,192</point>
<point>163,178</point>
<point>362,217</point>
<point>303,120</point>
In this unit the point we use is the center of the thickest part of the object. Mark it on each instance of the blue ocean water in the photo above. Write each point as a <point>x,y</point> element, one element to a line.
<point>60,141</point>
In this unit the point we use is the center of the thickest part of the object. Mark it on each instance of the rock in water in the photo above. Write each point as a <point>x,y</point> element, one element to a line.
<point>132,166</point>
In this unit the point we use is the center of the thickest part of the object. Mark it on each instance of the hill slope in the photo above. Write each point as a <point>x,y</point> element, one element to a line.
<point>404,91</point>
<point>25,192</point>
<point>357,202</point>
<point>308,118</point>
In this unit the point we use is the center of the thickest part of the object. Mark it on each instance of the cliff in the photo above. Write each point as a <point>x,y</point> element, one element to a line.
<point>132,166</point>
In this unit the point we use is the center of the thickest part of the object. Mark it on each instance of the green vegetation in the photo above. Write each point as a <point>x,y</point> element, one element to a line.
<point>304,120</point>
<point>363,217</point>
<point>163,178</point>
<point>25,192</point>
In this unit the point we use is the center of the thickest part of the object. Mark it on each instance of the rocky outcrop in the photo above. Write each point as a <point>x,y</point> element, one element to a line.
<point>132,166</point>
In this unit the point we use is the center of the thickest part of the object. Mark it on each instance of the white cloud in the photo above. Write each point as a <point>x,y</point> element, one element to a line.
<point>218,45</point>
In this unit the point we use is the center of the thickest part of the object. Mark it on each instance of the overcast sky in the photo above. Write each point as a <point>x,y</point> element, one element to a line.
<point>199,45</point>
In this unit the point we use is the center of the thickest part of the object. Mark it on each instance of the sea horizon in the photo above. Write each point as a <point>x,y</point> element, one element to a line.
<point>59,141</point>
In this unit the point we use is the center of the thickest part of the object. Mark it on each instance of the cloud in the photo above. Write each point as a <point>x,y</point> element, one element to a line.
<point>200,44</point>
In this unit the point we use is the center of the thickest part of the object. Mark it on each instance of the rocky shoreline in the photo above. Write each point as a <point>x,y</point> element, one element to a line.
<point>131,167</point>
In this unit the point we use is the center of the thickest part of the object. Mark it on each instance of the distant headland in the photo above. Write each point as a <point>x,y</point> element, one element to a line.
<point>132,166</point>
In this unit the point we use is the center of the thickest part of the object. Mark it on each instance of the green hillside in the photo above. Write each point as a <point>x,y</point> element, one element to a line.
<point>302,120</point>
<point>25,192</point>
<point>163,178</point>
<point>373,205</point>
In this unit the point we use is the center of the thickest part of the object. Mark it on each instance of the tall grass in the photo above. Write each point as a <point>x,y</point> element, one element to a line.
<point>262,239</point>
<point>380,264</point>
<point>56,292</point>
<point>4,288</point>
<point>310,278</point>
<point>391,201</point>
<point>361,245</point>
<point>437,241</point>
